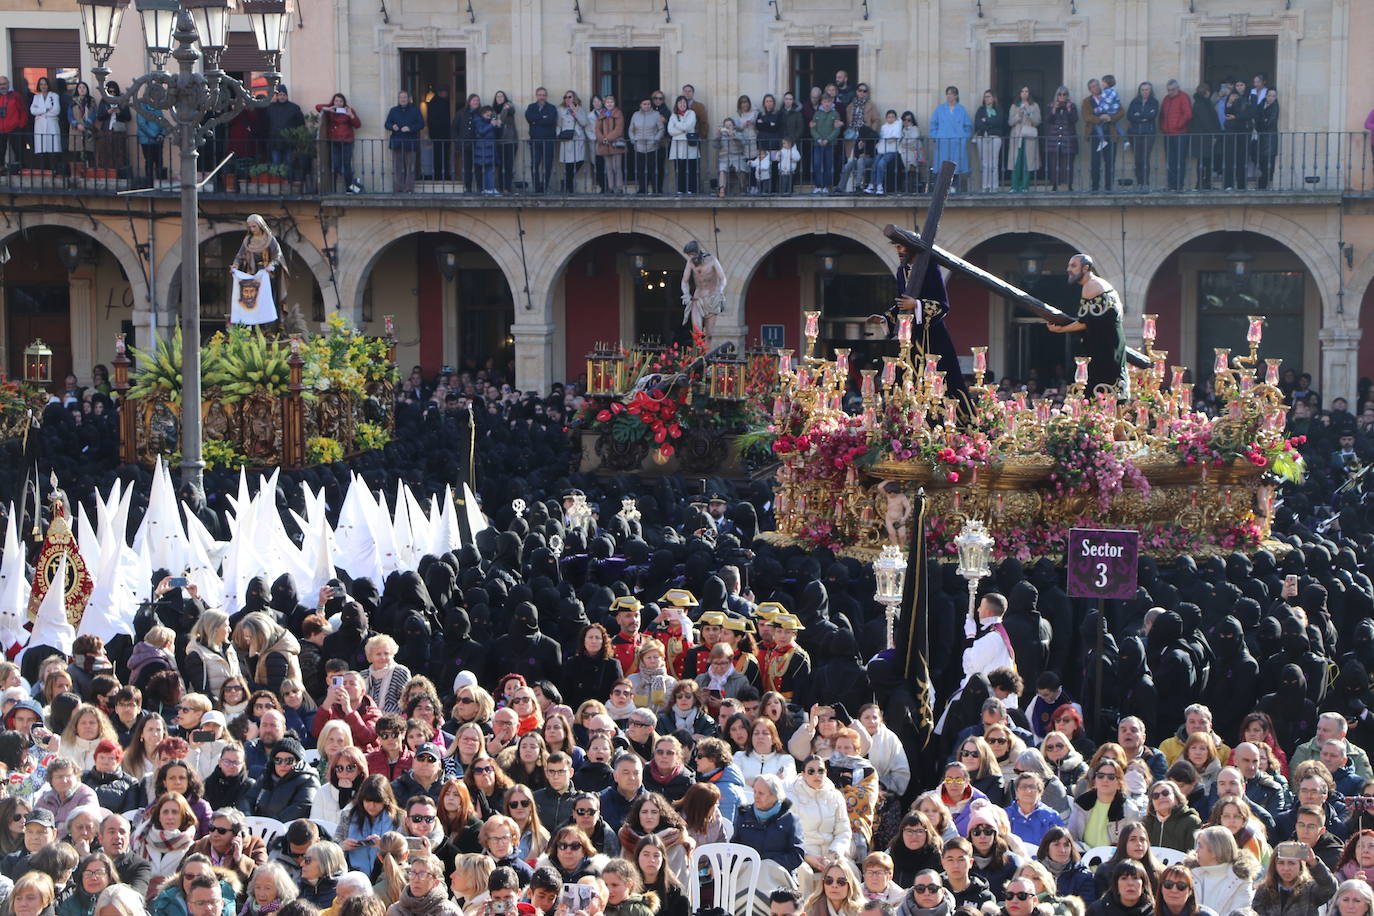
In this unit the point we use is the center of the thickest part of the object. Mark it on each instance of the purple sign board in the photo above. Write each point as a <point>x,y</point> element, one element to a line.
<point>1102,563</point>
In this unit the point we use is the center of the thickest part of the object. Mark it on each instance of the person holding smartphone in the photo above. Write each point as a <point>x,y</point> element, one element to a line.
<point>1296,881</point>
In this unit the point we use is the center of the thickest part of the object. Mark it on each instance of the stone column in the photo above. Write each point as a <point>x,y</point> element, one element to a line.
<point>534,356</point>
<point>81,311</point>
<point>1340,348</point>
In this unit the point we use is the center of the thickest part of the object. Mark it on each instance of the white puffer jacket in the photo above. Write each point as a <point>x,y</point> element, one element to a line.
<point>1224,888</point>
<point>823,818</point>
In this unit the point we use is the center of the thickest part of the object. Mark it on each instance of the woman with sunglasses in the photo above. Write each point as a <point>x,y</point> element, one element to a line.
<point>333,738</point>
<point>994,862</point>
<point>13,811</point>
<point>572,855</point>
<point>487,784</point>
<point>837,893</point>
<point>1059,854</point>
<point>1129,894</point>
<point>471,704</point>
<point>1169,822</point>
<point>373,812</point>
<point>1067,719</point>
<point>533,837</point>
<point>321,868</point>
<point>820,811</point>
<point>985,773</point>
<point>1064,760</point>
<point>1097,816</point>
<point>1297,882</point>
<point>1107,749</point>
<point>957,793</point>
<point>346,774</point>
<point>299,709</point>
<point>1177,895</point>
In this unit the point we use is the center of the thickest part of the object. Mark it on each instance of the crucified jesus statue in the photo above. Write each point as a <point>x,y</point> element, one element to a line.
<point>703,289</point>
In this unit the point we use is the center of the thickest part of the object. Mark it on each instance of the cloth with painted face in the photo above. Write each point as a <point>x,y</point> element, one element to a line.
<point>251,302</point>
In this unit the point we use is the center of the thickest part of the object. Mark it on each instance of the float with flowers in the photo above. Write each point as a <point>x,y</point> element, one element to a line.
<point>1029,469</point>
<point>655,409</point>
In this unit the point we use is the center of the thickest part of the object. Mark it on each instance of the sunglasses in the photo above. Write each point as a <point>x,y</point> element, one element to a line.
<point>665,752</point>
<point>996,741</point>
<point>983,830</point>
<point>641,725</point>
<point>346,768</point>
<point>284,761</point>
<point>422,818</point>
<point>1163,793</point>
<point>233,687</point>
<point>967,754</point>
<point>1173,885</point>
<point>522,700</point>
<point>1107,775</point>
<point>1020,895</point>
<point>842,882</point>
<point>519,803</point>
<point>813,771</point>
<point>954,780</point>
<point>466,701</point>
<point>621,692</point>
<point>225,831</point>
<point>585,812</point>
<point>485,769</point>
<point>389,734</point>
<point>927,888</point>
<point>569,845</point>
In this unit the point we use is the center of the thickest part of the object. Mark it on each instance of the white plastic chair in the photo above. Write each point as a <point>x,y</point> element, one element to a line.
<point>728,863</point>
<point>266,827</point>
<point>1097,855</point>
<point>311,756</point>
<point>1168,856</point>
<point>327,829</point>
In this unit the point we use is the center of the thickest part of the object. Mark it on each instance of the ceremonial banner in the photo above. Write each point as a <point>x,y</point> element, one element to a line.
<point>251,302</point>
<point>60,545</point>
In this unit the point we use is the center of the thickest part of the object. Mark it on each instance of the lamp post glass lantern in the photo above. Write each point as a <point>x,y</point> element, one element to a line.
<point>190,102</point>
<point>975,552</point>
<point>889,572</point>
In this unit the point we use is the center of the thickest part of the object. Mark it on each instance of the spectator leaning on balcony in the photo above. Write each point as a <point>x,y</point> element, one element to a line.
<point>282,115</point>
<point>46,108</point>
<point>1267,126</point>
<point>150,133</point>
<point>574,125</point>
<point>1142,123</point>
<point>484,132</point>
<point>340,121</point>
<point>404,123</point>
<point>646,130</point>
<point>14,117</point>
<point>543,121</point>
<point>1175,114</point>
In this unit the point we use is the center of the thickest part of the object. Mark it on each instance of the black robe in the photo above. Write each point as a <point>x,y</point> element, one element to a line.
<point>931,335</point>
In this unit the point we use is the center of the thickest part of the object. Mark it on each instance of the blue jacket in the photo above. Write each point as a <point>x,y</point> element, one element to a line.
<point>405,116</point>
<point>484,152</point>
<point>543,123</point>
<point>150,127</point>
<point>778,839</point>
<point>171,902</point>
<point>365,857</point>
<point>615,806</point>
<point>1033,827</point>
<point>1077,881</point>
<point>730,782</point>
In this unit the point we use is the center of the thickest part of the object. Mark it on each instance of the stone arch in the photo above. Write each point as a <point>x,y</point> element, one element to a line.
<point>749,256</point>
<point>594,226</point>
<point>1022,220</point>
<point>1311,251</point>
<point>356,263</point>
<point>114,243</point>
<point>169,271</point>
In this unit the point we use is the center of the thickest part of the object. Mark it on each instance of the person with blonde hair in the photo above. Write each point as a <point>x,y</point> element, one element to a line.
<point>424,893</point>
<point>33,895</point>
<point>87,727</point>
<point>652,682</point>
<point>468,881</point>
<point>386,678</point>
<point>271,654</point>
<point>210,656</point>
<point>838,892</point>
<point>1354,897</point>
<point>321,867</point>
<point>119,900</point>
<point>392,855</point>
<point>1223,874</point>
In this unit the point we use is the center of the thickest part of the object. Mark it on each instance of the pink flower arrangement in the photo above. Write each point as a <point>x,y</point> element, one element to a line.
<point>830,450</point>
<point>1193,442</point>
<point>1087,458</point>
<point>817,534</point>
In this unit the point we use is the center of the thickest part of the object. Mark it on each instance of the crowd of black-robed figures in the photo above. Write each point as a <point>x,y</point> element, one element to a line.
<point>1227,636</point>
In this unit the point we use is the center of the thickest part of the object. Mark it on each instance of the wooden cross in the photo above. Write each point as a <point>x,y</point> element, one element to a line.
<point>926,251</point>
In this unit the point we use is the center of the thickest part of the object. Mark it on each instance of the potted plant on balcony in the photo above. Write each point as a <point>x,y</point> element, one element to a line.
<point>301,141</point>
<point>265,174</point>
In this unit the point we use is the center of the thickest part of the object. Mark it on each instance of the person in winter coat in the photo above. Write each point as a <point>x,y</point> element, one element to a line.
<point>111,784</point>
<point>270,652</point>
<point>1059,854</point>
<point>350,703</point>
<point>46,108</point>
<point>165,837</point>
<point>1142,118</point>
<point>1128,895</point>
<point>404,122</point>
<point>1169,822</point>
<point>1294,886</point>
<point>683,148</point>
<point>1222,873</point>
<point>772,828</point>
<point>820,811</point>
<point>574,131</point>
<point>340,122</point>
<point>507,140</point>
<point>914,848</point>
<point>610,143</point>
<point>646,132</point>
<point>288,785</point>
<point>1030,817</point>
<point>927,895</point>
<point>968,888</point>
<point>485,136</point>
<point>989,129</point>
<point>230,786</point>
<point>65,792</point>
<point>714,765</point>
<point>857,781</point>
<point>173,899</point>
<point>1108,791</point>
<point>210,658</point>
<point>992,859</point>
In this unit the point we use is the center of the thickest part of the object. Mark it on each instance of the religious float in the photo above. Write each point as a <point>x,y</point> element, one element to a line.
<point>657,410</point>
<point>1029,469</point>
<point>268,400</point>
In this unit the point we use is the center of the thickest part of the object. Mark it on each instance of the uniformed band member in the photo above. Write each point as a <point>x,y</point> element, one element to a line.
<point>625,643</point>
<point>789,663</point>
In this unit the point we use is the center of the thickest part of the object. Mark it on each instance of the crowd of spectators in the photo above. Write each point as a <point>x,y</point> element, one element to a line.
<point>838,139</point>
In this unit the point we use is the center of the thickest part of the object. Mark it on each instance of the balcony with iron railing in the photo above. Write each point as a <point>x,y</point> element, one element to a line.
<point>1190,169</point>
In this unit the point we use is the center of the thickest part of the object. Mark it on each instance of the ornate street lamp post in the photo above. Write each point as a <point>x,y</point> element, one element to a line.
<point>191,104</point>
<point>975,551</point>
<point>890,572</point>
